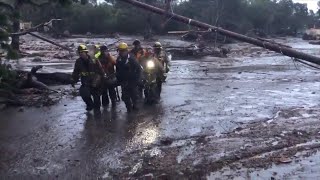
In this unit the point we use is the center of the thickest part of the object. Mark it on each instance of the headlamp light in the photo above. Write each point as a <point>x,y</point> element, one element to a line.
<point>150,64</point>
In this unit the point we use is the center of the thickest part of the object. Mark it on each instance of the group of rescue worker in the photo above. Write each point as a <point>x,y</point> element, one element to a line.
<point>101,74</point>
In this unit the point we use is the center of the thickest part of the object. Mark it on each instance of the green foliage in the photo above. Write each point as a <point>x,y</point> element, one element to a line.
<point>12,54</point>
<point>7,76</point>
<point>4,33</point>
<point>10,10</point>
<point>270,16</point>
<point>81,16</point>
<point>3,24</point>
<point>100,19</point>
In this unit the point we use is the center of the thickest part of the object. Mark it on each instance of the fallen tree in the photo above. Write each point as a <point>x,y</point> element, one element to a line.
<point>42,80</point>
<point>28,88</point>
<point>113,35</point>
<point>314,42</point>
<point>56,78</point>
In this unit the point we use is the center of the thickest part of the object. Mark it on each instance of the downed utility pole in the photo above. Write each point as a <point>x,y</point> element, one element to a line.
<point>49,41</point>
<point>267,45</point>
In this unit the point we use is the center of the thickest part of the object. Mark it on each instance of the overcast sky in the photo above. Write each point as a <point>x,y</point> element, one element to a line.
<point>312,4</point>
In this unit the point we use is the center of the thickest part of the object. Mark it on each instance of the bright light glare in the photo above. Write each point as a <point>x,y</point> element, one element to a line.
<point>150,64</point>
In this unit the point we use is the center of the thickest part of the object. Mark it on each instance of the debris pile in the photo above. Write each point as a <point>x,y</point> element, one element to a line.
<point>205,44</point>
<point>197,51</point>
<point>19,88</point>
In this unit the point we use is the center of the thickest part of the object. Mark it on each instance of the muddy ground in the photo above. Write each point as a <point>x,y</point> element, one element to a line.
<point>253,115</point>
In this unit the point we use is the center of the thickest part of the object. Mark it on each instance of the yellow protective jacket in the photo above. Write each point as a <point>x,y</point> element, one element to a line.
<point>87,71</point>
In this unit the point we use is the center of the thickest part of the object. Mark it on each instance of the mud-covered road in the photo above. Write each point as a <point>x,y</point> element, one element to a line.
<point>254,115</point>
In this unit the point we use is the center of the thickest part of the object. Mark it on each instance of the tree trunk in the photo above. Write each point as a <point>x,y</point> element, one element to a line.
<point>16,25</point>
<point>15,39</point>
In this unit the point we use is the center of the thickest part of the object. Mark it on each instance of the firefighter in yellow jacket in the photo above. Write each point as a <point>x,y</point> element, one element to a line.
<point>90,73</point>
<point>161,56</point>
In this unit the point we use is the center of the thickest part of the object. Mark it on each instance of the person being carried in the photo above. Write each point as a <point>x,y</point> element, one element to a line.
<point>108,63</point>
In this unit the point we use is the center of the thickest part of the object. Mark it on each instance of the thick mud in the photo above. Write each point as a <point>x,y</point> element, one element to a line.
<point>253,115</point>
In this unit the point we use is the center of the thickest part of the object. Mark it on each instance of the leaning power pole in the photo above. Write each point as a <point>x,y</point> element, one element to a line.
<point>267,45</point>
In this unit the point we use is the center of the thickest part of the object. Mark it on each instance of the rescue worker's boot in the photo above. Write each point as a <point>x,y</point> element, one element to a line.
<point>86,97</point>
<point>140,92</point>
<point>105,97</point>
<point>113,96</point>
<point>159,88</point>
<point>113,103</point>
<point>127,93</point>
<point>134,97</point>
<point>135,104</point>
<point>127,101</point>
<point>135,108</point>
<point>89,107</point>
<point>129,106</point>
<point>96,102</point>
<point>96,98</point>
<point>105,100</point>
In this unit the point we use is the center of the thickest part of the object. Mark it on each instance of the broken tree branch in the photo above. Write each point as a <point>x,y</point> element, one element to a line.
<point>184,32</point>
<point>267,45</point>
<point>109,45</point>
<point>307,64</point>
<point>34,28</point>
<point>37,4</point>
<point>5,5</point>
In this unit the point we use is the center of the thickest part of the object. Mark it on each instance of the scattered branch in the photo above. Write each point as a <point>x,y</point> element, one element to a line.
<point>36,4</point>
<point>3,30</point>
<point>34,28</point>
<point>5,5</point>
<point>306,63</point>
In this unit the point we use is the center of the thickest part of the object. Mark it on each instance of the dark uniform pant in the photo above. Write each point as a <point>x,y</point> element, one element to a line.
<point>106,92</point>
<point>159,86</point>
<point>140,90</point>
<point>129,95</point>
<point>87,93</point>
<point>160,80</point>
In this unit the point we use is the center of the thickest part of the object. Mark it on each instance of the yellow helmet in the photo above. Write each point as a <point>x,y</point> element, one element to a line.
<point>123,46</point>
<point>82,48</point>
<point>157,45</point>
<point>97,46</point>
